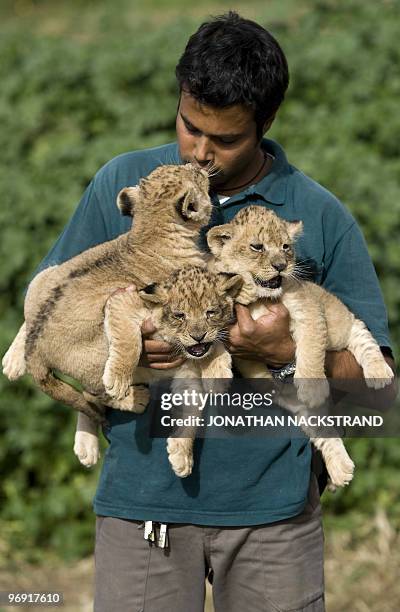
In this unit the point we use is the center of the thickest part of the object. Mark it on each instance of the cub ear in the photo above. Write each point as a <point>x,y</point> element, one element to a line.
<point>152,293</point>
<point>217,236</point>
<point>187,207</point>
<point>294,228</point>
<point>126,200</point>
<point>230,283</point>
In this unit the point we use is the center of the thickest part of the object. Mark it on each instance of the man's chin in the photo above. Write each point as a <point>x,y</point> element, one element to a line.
<point>219,183</point>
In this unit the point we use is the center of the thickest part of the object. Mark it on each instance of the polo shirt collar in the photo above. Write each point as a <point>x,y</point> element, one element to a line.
<point>272,188</point>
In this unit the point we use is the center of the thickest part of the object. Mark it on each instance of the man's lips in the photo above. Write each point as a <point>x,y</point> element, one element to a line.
<point>198,350</point>
<point>272,283</point>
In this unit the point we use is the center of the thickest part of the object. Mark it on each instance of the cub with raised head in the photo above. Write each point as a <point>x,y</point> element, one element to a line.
<point>259,246</point>
<point>64,307</point>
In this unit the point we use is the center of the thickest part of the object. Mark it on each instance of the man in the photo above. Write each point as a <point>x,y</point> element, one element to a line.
<point>249,516</point>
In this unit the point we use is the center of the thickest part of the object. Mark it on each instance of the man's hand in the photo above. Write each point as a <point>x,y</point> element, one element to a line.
<point>267,339</point>
<point>156,354</point>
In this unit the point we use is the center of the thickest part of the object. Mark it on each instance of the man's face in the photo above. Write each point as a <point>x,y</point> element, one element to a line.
<point>225,138</point>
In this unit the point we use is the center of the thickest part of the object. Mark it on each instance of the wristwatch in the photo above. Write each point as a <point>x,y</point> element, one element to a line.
<point>286,371</point>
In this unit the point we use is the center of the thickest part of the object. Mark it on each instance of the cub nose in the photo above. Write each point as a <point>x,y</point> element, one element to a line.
<point>199,337</point>
<point>279,266</point>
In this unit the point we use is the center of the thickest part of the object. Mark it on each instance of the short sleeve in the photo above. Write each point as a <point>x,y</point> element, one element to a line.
<point>350,274</point>
<point>85,229</point>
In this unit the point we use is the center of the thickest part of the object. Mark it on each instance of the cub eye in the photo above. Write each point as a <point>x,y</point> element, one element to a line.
<point>179,315</point>
<point>211,313</point>
<point>257,247</point>
<point>286,247</point>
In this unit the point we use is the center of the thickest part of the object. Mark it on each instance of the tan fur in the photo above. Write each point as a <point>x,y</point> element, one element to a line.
<point>193,307</point>
<point>260,246</point>
<point>64,306</point>
<point>83,317</point>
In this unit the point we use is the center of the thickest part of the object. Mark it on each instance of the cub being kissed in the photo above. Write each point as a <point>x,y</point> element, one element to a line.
<point>259,246</point>
<point>84,317</point>
<point>64,306</point>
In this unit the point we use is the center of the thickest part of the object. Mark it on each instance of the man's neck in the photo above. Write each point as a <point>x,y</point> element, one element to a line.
<point>265,161</point>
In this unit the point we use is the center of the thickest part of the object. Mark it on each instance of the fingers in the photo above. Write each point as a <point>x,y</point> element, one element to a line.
<point>164,361</point>
<point>245,321</point>
<point>167,365</point>
<point>156,353</point>
<point>153,346</point>
<point>148,327</point>
<point>162,357</point>
<point>157,347</point>
<point>276,310</point>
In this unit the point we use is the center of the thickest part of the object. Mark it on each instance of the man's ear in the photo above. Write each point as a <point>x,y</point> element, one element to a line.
<point>152,293</point>
<point>217,236</point>
<point>294,228</point>
<point>126,200</point>
<point>230,283</point>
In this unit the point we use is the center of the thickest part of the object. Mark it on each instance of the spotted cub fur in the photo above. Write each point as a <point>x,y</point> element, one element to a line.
<point>191,311</point>
<point>64,306</point>
<point>83,318</point>
<point>259,246</point>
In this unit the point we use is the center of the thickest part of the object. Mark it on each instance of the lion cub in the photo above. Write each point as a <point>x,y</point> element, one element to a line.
<point>259,246</point>
<point>64,307</point>
<point>192,311</point>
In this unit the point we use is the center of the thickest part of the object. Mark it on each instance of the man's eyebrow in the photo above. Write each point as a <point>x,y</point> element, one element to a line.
<point>190,124</point>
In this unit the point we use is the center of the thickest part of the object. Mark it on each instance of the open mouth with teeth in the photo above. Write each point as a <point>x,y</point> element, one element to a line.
<point>272,283</point>
<point>198,350</point>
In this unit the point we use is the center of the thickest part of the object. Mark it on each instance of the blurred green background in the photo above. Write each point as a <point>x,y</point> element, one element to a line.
<point>82,81</point>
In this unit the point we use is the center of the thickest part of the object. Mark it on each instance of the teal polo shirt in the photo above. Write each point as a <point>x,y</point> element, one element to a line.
<point>235,481</point>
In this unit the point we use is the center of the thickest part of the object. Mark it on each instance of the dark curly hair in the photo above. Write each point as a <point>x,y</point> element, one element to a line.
<point>231,60</point>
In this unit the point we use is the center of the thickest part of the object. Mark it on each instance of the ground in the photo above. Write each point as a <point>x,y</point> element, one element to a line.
<point>361,573</point>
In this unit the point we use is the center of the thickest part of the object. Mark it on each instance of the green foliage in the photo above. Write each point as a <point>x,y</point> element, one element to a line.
<point>375,483</point>
<point>65,110</point>
<point>341,124</point>
<point>67,106</point>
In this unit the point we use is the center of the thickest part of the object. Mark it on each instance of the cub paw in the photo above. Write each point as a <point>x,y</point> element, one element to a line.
<point>13,363</point>
<point>116,383</point>
<point>312,391</point>
<point>180,456</point>
<point>135,401</point>
<point>378,374</point>
<point>248,293</point>
<point>340,469</point>
<point>86,448</point>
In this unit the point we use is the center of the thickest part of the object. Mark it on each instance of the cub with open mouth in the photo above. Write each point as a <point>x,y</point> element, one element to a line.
<point>259,245</point>
<point>192,310</point>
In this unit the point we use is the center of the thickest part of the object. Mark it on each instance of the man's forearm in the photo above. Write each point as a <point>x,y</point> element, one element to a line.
<point>342,366</point>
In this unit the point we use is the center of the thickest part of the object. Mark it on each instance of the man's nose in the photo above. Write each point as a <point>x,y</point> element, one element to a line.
<point>203,151</point>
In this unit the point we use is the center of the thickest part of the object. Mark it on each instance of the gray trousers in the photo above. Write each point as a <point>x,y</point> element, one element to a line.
<point>269,568</point>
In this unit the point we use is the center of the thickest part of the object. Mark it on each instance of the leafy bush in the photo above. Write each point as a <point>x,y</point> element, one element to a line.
<point>67,107</point>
